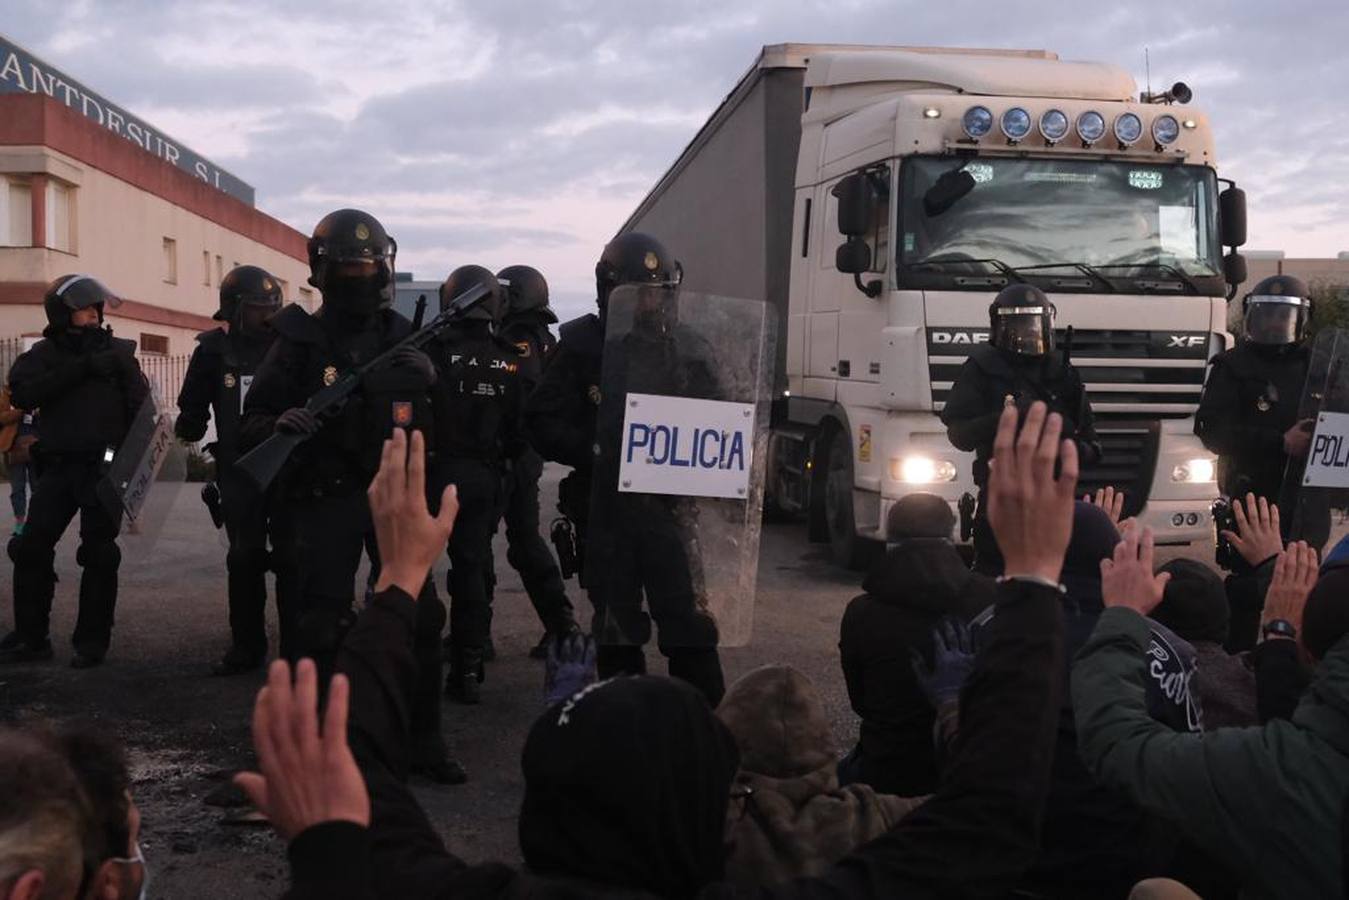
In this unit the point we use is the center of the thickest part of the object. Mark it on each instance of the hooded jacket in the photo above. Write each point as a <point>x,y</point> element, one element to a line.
<point>919,581</point>
<point>1268,802</point>
<point>795,819</point>
<point>974,838</point>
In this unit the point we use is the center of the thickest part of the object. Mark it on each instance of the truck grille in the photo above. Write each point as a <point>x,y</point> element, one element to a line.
<point>1128,458</point>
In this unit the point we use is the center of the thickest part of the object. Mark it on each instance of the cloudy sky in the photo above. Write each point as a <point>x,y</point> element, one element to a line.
<point>504,131</point>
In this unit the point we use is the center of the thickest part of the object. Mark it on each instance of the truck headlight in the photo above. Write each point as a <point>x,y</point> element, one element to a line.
<point>1128,128</point>
<point>1054,125</point>
<point>977,121</point>
<point>1015,123</point>
<point>1091,126</point>
<point>919,469</point>
<point>1195,471</point>
<point>1165,130</point>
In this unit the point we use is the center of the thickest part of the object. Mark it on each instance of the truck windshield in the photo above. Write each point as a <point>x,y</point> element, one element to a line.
<point>1130,223</point>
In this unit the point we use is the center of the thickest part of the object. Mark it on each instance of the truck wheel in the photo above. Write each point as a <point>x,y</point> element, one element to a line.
<point>845,547</point>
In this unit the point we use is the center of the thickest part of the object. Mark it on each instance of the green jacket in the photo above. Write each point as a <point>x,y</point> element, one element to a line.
<point>1268,802</point>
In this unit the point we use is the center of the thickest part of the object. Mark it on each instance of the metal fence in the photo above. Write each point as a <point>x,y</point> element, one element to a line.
<point>165,373</point>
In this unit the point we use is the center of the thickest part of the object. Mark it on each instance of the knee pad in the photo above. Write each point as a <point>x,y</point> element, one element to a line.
<point>23,550</point>
<point>99,555</point>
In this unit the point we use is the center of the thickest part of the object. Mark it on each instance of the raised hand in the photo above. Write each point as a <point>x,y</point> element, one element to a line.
<point>1029,509</point>
<point>1108,499</point>
<point>1127,578</point>
<point>569,668</point>
<point>308,776</point>
<point>1257,538</point>
<point>410,539</point>
<point>1295,574</point>
<point>953,657</point>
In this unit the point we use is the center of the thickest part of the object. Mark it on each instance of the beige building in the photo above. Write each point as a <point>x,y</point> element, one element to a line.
<point>78,196</point>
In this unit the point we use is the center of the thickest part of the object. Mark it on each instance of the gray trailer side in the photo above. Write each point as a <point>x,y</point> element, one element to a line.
<point>724,208</point>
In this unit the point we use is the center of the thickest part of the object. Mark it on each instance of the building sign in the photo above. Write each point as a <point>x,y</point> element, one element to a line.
<point>22,72</point>
<point>1328,461</point>
<point>685,447</point>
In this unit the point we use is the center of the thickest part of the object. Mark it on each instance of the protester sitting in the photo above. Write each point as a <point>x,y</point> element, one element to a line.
<point>43,818</point>
<point>627,783</point>
<point>792,818</point>
<point>1195,608</point>
<point>920,579</point>
<point>1268,802</point>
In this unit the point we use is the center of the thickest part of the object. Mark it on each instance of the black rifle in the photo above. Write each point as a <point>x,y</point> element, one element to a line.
<point>420,313</point>
<point>263,463</point>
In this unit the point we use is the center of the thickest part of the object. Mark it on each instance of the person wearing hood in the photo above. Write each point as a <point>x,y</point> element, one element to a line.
<point>793,819</point>
<point>628,783</point>
<point>90,389</point>
<point>1267,801</point>
<point>920,579</point>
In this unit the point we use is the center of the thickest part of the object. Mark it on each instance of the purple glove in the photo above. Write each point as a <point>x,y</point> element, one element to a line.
<point>569,668</point>
<point>952,662</point>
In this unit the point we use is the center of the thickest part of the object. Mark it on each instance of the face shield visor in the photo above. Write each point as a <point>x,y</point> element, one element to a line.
<point>1024,330</point>
<point>1274,321</point>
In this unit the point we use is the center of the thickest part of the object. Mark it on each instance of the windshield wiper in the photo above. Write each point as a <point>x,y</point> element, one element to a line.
<point>1166,268</point>
<point>1089,271</point>
<point>996,264</point>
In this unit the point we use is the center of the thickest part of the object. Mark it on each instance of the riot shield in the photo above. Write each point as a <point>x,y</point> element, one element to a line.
<point>1319,482</point>
<point>144,473</point>
<point>680,450</point>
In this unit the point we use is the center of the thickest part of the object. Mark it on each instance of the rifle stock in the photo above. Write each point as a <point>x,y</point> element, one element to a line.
<point>264,462</point>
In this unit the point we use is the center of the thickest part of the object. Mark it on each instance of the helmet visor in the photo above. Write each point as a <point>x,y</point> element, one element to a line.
<point>1274,320</point>
<point>83,291</point>
<point>1024,330</point>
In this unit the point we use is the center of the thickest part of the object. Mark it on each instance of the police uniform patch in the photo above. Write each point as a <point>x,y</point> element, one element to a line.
<point>1262,404</point>
<point>594,394</point>
<point>229,380</point>
<point>329,375</point>
<point>651,261</point>
<point>523,348</point>
<point>362,231</point>
<point>402,413</point>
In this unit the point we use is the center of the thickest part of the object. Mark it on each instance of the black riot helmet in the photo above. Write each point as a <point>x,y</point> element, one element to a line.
<point>526,292</point>
<point>351,262</point>
<point>1021,320</point>
<point>490,308</point>
<point>1276,311</point>
<point>247,286</point>
<point>634,258</point>
<point>71,292</point>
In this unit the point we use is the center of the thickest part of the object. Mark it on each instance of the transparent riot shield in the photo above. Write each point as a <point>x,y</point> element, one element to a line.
<point>1319,482</point>
<point>680,448</point>
<point>145,473</point>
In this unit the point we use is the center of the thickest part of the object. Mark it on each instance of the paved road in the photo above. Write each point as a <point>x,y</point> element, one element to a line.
<point>187,731</point>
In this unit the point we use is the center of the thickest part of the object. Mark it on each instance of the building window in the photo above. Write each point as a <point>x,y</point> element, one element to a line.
<point>155,343</point>
<point>206,267</point>
<point>219,269</point>
<point>307,298</point>
<point>60,216</point>
<point>16,212</point>
<point>170,261</point>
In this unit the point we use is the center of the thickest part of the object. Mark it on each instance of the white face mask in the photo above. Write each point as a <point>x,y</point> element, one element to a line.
<point>138,860</point>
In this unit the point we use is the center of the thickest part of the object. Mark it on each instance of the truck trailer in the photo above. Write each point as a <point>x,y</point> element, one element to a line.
<point>879,197</point>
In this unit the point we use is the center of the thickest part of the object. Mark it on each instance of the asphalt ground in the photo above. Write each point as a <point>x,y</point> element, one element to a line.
<point>188,731</point>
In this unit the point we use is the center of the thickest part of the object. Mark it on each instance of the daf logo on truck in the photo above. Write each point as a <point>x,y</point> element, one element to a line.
<point>961,338</point>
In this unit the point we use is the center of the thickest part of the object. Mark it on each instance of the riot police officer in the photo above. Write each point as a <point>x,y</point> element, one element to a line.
<point>525,325</point>
<point>477,411</point>
<point>1020,364</point>
<point>561,415</point>
<point>1248,415</point>
<point>351,260</point>
<point>90,389</point>
<point>217,381</point>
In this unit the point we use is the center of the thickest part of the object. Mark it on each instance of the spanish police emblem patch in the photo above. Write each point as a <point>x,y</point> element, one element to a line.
<point>402,413</point>
<point>329,375</point>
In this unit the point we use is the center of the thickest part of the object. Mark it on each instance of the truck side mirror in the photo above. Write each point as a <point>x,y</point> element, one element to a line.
<point>856,204</point>
<point>853,257</point>
<point>1234,271</point>
<point>1232,217</point>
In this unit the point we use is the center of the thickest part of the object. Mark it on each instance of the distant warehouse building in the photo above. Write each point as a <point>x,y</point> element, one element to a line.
<point>87,187</point>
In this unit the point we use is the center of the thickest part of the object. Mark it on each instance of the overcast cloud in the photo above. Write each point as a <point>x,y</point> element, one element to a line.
<point>509,131</point>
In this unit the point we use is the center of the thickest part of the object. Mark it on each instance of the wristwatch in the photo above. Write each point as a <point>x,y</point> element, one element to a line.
<point>1279,628</point>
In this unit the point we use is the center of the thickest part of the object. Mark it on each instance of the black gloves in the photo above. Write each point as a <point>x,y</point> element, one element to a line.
<point>417,361</point>
<point>297,420</point>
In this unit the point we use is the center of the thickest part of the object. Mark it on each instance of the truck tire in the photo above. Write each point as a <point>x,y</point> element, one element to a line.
<point>846,548</point>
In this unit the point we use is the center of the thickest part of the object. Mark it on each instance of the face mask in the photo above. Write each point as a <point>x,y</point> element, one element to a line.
<point>138,860</point>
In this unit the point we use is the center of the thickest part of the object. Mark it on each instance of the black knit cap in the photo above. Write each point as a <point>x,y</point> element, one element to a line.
<point>1195,603</point>
<point>1325,620</point>
<point>919,515</point>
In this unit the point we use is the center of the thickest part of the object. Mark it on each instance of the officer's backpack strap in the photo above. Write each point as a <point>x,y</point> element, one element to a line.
<point>584,334</point>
